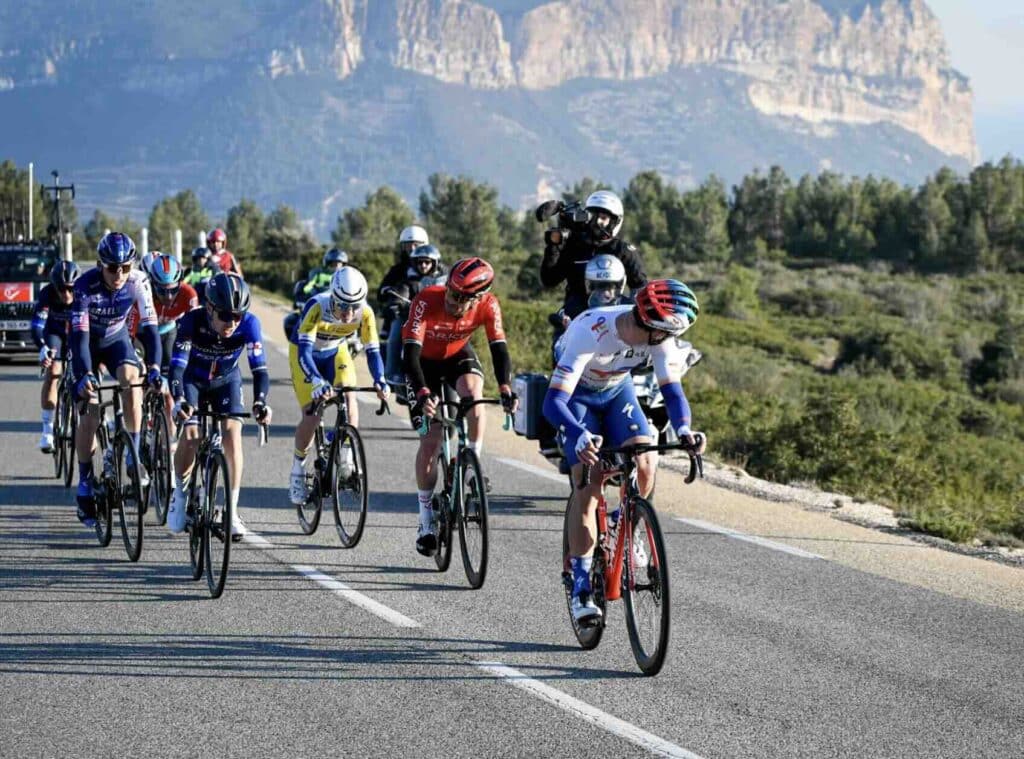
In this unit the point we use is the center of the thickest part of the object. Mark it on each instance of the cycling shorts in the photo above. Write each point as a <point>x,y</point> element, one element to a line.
<point>337,367</point>
<point>448,370</point>
<point>222,395</point>
<point>117,354</point>
<point>615,414</point>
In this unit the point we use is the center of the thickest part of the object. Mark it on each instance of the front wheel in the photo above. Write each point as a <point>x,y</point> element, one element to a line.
<point>159,491</point>
<point>309,511</point>
<point>645,576</point>
<point>128,493</point>
<point>348,473</point>
<point>217,510</point>
<point>472,517</point>
<point>195,521</point>
<point>442,502</point>
<point>588,636</point>
<point>101,490</point>
<point>69,428</point>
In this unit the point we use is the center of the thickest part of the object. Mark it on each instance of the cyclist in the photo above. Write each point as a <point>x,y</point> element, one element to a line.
<point>605,281</point>
<point>104,298</point>
<point>567,251</point>
<point>220,256</point>
<point>591,397</point>
<point>320,278</point>
<point>437,352</point>
<point>51,324</point>
<point>205,373</point>
<point>320,361</point>
<point>425,269</point>
<point>200,272</point>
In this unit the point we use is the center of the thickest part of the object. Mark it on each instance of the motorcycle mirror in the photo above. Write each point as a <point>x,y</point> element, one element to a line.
<point>547,209</point>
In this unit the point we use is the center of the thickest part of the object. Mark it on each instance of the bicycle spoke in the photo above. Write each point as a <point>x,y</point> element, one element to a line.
<point>128,493</point>
<point>218,511</point>
<point>350,497</point>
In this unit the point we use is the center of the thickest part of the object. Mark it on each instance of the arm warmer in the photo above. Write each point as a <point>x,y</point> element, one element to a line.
<point>260,383</point>
<point>81,356</point>
<point>411,364</point>
<point>149,335</point>
<point>676,403</point>
<point>556,410</point>
<point>376,364</point>
<point>502,362</point>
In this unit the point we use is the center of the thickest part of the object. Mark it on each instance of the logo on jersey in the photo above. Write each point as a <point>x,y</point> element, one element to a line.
<point>628,409</point>
<point>257,349</point>
<point>600,327</point>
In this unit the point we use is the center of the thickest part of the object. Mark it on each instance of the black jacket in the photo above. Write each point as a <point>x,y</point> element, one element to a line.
<point>568,262</point>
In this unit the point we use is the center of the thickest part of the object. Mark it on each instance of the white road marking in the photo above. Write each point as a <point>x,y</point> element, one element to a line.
<point>647,741</point>
<point>539,471</point>
<point>763,542</point>
<point>365,602</point>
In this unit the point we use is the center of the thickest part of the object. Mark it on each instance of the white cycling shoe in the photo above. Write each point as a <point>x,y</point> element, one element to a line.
<point>46,442</point>
<point>238,528</point>
<point>176,512</point>
<point>297,492</point>
<point>584,610</point>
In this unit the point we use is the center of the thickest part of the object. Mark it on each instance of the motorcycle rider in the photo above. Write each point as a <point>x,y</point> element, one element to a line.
<point>320,278</point>
<point>605,282</point>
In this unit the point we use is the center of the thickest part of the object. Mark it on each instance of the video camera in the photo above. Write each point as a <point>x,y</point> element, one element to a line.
<point>570,216</point>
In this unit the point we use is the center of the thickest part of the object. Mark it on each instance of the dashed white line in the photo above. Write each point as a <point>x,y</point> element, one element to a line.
<point>364,602</point>
<point>582,710</point>
<point>763,542</point>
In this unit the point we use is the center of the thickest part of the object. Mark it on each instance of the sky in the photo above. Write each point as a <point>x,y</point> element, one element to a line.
<point>986,43</point>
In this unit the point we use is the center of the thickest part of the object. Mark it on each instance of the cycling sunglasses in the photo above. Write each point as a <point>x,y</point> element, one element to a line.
<point>229,316</point>
<point>118,268</point>
<point>167,292</point>
<point>461,298</point>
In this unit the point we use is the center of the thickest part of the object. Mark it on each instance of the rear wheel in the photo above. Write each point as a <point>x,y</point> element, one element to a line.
<point>195,521</point>
<point>218,510</point>
<point>159,490</point>
<point>472,517</point>
<point>442,496</point>
<point>310,510</point>
<point>101,489</point>
<point>128,493</point>
<point>587,635</point>
<point>67,417</point>
<point>58,431</point>
<point>348,473</point>
<point>645,576</point>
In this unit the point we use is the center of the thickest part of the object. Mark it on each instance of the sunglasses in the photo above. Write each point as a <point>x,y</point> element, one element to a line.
<point>461,298</point>
<point>229,316</point>
<point>67,288</point>
<point>118,268</point>
<point>344,308</point>
<point>166,292</point>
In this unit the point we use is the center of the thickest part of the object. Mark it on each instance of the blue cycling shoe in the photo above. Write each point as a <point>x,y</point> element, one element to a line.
<point>86,504</point>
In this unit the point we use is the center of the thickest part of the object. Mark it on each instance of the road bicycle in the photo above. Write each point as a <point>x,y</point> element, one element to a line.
<point>116,478</point>
<point>65,425</point>
<point>337,470</point>
<point>460,493</point>
<point>629,563</point>
<point>210,504</point>
<point>155,449</point>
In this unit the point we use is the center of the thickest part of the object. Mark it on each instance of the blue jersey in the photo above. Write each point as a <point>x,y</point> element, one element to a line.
<point>51,315</point>
<point>201,355</point>
<point>99,316</point>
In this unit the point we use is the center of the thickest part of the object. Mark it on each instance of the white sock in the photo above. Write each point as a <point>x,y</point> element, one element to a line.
<point>477,446</point>
<point>426,513</point>
<point>234,499</point>
<point>298,465</point>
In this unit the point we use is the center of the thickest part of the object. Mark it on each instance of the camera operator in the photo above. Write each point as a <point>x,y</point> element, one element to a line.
<point>580,235</point>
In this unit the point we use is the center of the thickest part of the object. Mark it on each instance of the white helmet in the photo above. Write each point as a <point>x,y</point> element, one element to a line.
<point>414,234</point>
<point>348,287</point>
<point>605,200</point>
<point>605,279</point>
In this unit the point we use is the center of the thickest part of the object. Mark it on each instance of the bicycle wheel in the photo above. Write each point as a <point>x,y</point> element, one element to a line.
<point>195,522</point>
<point>350,496</point>
<point>68,439</point>
<point>58,448</point>
<point>309,512</point>
<point>587,635</point>
<point>472,518</point>
<point>159,492</point>
<point>128,493</point>
<point>645,576</point>
<point>217,509</point>
<point>101,488</point>
<point>442,501</point>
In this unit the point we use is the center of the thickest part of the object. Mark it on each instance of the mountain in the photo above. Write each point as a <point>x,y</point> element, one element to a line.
<point>316,102</point>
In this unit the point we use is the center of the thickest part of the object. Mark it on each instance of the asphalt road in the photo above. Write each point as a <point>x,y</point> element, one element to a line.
<point>314,650</point>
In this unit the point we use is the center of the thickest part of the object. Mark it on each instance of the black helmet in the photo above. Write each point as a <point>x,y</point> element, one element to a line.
<point>334,256</point>
<point>228,292</point>
<point>200,252</point>
<point>64,274</point>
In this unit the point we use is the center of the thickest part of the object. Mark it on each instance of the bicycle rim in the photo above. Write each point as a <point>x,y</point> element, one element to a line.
<point>646,588</point>
<point>160,468</point>
<point>472,518</point>
<point>58,448</point>
<point>217,533</point>
<point>588,636</point>
<point>68,440</point>
<point>443,515</point>
<point>128,493</point>
<point>349,492</point>
<point>309,511</point>
<point>104,523</point>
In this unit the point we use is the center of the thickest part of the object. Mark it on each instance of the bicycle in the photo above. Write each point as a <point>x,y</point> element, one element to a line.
<point>210,505</point>
<point>334,449</point>
<point>117,486</point>
<point>643,579</point>
<point>155,448</point>
<point>65,425</point>
<point>460,493</point>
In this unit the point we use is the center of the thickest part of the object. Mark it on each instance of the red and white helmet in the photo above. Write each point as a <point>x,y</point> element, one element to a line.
<point>217,235</point>
<point>667,305</point>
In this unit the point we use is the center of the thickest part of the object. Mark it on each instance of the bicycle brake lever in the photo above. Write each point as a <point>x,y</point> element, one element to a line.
<point>384,409</point>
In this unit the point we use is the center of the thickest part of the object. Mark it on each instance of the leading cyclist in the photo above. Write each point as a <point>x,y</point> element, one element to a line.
<point>591,397</point>
<point>51,325</point>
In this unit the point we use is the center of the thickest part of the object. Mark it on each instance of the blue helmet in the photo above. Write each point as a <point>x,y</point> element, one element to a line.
<point>116,248</point>
<point>165,272</point>
<point>64,274</point>
<point>334,256</point>
<point>429,252</point>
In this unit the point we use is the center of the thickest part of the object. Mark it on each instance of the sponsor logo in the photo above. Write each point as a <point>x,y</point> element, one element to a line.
<point>627,410</point>
<point>257,349</point>
<point>16,292</point>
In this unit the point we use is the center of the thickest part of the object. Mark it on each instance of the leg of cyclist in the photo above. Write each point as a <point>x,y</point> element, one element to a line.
<point>426,480</point>
<point>306,428</point>
<point>582,517</point>
<point>345,374</point>
<point>48,402</point>
<point>184,460</point>
<point>232,438</point>
<point>85,442</point>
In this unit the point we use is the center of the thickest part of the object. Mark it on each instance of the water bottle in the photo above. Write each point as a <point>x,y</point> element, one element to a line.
<point>613,519</point>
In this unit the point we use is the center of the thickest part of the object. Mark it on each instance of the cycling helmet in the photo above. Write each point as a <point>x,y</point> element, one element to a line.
<point>667,305</point>
<point>348,287</point>
<point>64,274</point>
<point>116,248</point>
<point>605,279</point>
<point>165,272</point>
<point>427,252</point>
<point>334,256</point>
<point>198,253</point>
<point>604,200</point>
<point>228,292</point>
<point>414,234</point>
<point>471,276</point>
<point>217,235</point>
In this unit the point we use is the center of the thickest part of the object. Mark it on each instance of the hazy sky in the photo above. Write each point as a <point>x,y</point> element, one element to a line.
<point>986,42</point>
